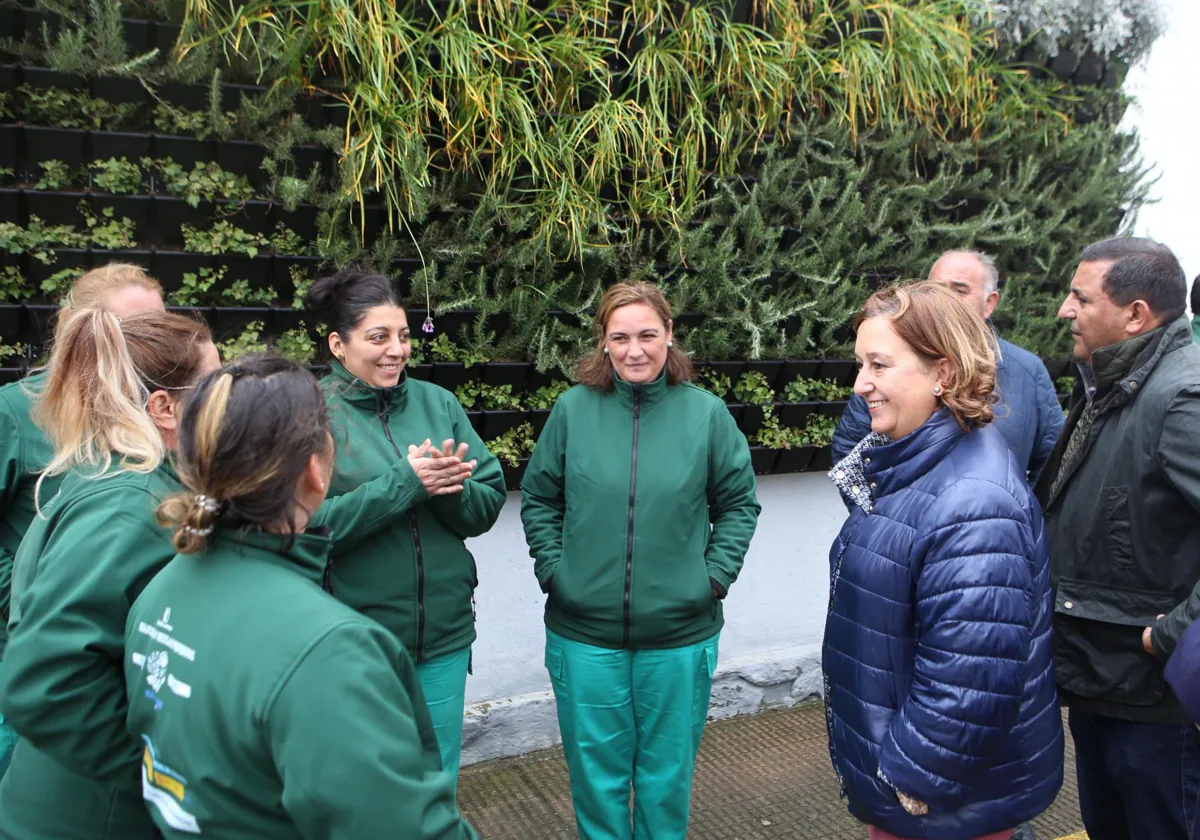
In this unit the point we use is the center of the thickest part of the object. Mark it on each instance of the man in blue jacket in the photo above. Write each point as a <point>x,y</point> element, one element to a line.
<point>1029,416</point>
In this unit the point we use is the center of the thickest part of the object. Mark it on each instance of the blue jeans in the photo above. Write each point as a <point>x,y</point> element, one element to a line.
<point>1137,781</point>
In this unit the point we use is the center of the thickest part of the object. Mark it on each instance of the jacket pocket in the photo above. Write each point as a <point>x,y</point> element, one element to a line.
<point>1114,501</point>
<point>1098,642</point>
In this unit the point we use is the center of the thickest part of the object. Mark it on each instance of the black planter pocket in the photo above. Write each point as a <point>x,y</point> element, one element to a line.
<point>794,460</point>
<point>840,371</point>
<point>366,222</point>
<point>124,90</point>
<point>476,420</point>
<point>762,459</point>
<point>822,460</point>
<point>73,260</point>
<point>56,208</point>
<point>796,414</point>
<point>191,97</point>
<point>771,370</point>
<point>450,323</point>
<point>10,321</point>
<point>165,36</point>
<point>736,410</point>
<point>285,271</point>
<point>64,144</point>
<point>10,206</point>
<point>538,418</point>
<point>691,320</point>
<point>171,266</point>
<point>795,368</point>
<point>451,374</point>
<point>308,157</point>
<point>731,369</point>
<point>302,221</point>
<point>186,151</point>
<point>752,419</point>
<point>171,214</point>
<point>496,423</point>
<point>513,475</point>
<point>232,95</point>
<point>43,78</point>
<point>506,373</point>
<point>119,144</point>
<point>10,141</point>
<point>37,328</point>
<point>242,158</point>
<point>138,34</point>
<point>230,321</point>
<point>285,318</point>
<point>136,208</point>
<point>11,374</point>
<point>422,372</point>
<point>831,409</point>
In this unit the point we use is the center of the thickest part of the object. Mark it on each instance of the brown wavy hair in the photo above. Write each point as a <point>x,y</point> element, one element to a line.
<point>937,324</point>
<point>595,370</point>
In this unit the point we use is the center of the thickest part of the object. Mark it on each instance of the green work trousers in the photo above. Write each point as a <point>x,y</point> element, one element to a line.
<point>631,721</point>
<point>443,681</point>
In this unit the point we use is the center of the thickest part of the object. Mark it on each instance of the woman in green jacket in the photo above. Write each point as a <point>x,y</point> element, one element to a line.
<point>122,289</point>
<point>264,707</point>
<point>416,577</point>
<point>111,408</point>
<point>639,506</point>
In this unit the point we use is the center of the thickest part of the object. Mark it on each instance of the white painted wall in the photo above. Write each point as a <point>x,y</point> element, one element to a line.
<point>1167,115</point>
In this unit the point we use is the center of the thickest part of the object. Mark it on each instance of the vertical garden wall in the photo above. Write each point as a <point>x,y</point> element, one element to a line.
<point>767,162</point>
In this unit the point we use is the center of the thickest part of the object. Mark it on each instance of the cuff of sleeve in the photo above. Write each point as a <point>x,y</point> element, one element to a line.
<point>720,581</point>
<point>1159,641</point>
<point>545,576</point>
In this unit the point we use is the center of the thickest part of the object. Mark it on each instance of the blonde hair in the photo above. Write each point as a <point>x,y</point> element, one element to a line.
<point>102,371</point>
<point>937,324</point>
<point>244,442</point>
<point>91,289</point>
<point>595,370</point>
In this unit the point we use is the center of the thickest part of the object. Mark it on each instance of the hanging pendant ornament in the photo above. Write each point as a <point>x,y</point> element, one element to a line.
<point>427,327</point>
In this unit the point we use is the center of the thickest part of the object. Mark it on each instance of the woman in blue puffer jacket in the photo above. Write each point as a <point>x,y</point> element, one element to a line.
<point>939,675</point>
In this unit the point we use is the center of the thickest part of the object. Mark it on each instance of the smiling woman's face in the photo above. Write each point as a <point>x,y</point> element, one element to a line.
<point>897,385</point>
<point>377,348</point>
<point>637,342</point>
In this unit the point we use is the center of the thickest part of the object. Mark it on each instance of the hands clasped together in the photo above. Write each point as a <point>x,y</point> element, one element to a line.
<point>442,471</point>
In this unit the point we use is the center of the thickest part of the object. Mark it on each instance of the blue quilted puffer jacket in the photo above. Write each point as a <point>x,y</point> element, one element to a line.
<point>937,657</point>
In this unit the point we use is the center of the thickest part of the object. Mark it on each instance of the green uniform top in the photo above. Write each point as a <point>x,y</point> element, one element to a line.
<point>637,505</point>
<point>415,577</point>
<point>80,568</point>
<point>267,709</point>
<point>24,452</point>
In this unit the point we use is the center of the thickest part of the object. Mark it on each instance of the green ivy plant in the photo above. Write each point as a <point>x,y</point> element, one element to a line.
<point>753,388</point>
<point>297,344</point>
<point>513,445</point>
<point>546,396</point>
<point>473,394</point>
<point>204,182</point>
<point>223,237</point>
<point>196,288</point>
<point>13,285</point>
<point>73,109</point>
<point>56,175</point>
<point>106,231</point>
<point>117,176</point>
<point>774,435</point>
<point>445,350</point>
<point>714,383</point>
<point>819,430</point>
<point>802,389</point>
<point>248,341</point>
<point>240,292</point>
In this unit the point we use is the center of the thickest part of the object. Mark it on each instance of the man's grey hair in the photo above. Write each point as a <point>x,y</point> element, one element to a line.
<point>991,274</point>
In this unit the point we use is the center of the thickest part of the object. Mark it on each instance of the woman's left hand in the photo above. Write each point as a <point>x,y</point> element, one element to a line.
<point>1148,640</point>
<point>913,806</point>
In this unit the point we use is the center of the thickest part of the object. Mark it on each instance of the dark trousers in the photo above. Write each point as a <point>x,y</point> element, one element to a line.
<point>1137,781</point>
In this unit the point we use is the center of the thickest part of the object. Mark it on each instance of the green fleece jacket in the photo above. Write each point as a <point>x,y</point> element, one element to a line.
<point>265,708</point>
<point>24,451</point>
<point>416,576</point>
<point>62,689</point>
<point>639,506</point>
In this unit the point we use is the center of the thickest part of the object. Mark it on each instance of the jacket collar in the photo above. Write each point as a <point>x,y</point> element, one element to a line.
<point>647,393</point>
<point>898,464</point>
<point>357,392</point>
<point>1127,365</point>
<point>308,553</point>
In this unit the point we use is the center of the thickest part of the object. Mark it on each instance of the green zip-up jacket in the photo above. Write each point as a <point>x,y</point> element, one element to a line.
<point>639,506</point>
<point>24,452</point>
<point>77,573</point>
<point>265,708</point>
<point>415,577</point>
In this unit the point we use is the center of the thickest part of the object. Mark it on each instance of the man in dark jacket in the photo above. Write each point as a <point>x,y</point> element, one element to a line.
<point>1121,494</point>
<point>1029,418</point>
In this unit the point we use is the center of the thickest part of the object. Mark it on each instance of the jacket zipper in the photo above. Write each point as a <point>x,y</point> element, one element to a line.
<point>637,413</point>
<point>419,653</point>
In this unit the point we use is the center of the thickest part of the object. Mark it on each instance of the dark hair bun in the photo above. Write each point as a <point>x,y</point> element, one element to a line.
<point>342,300</point>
